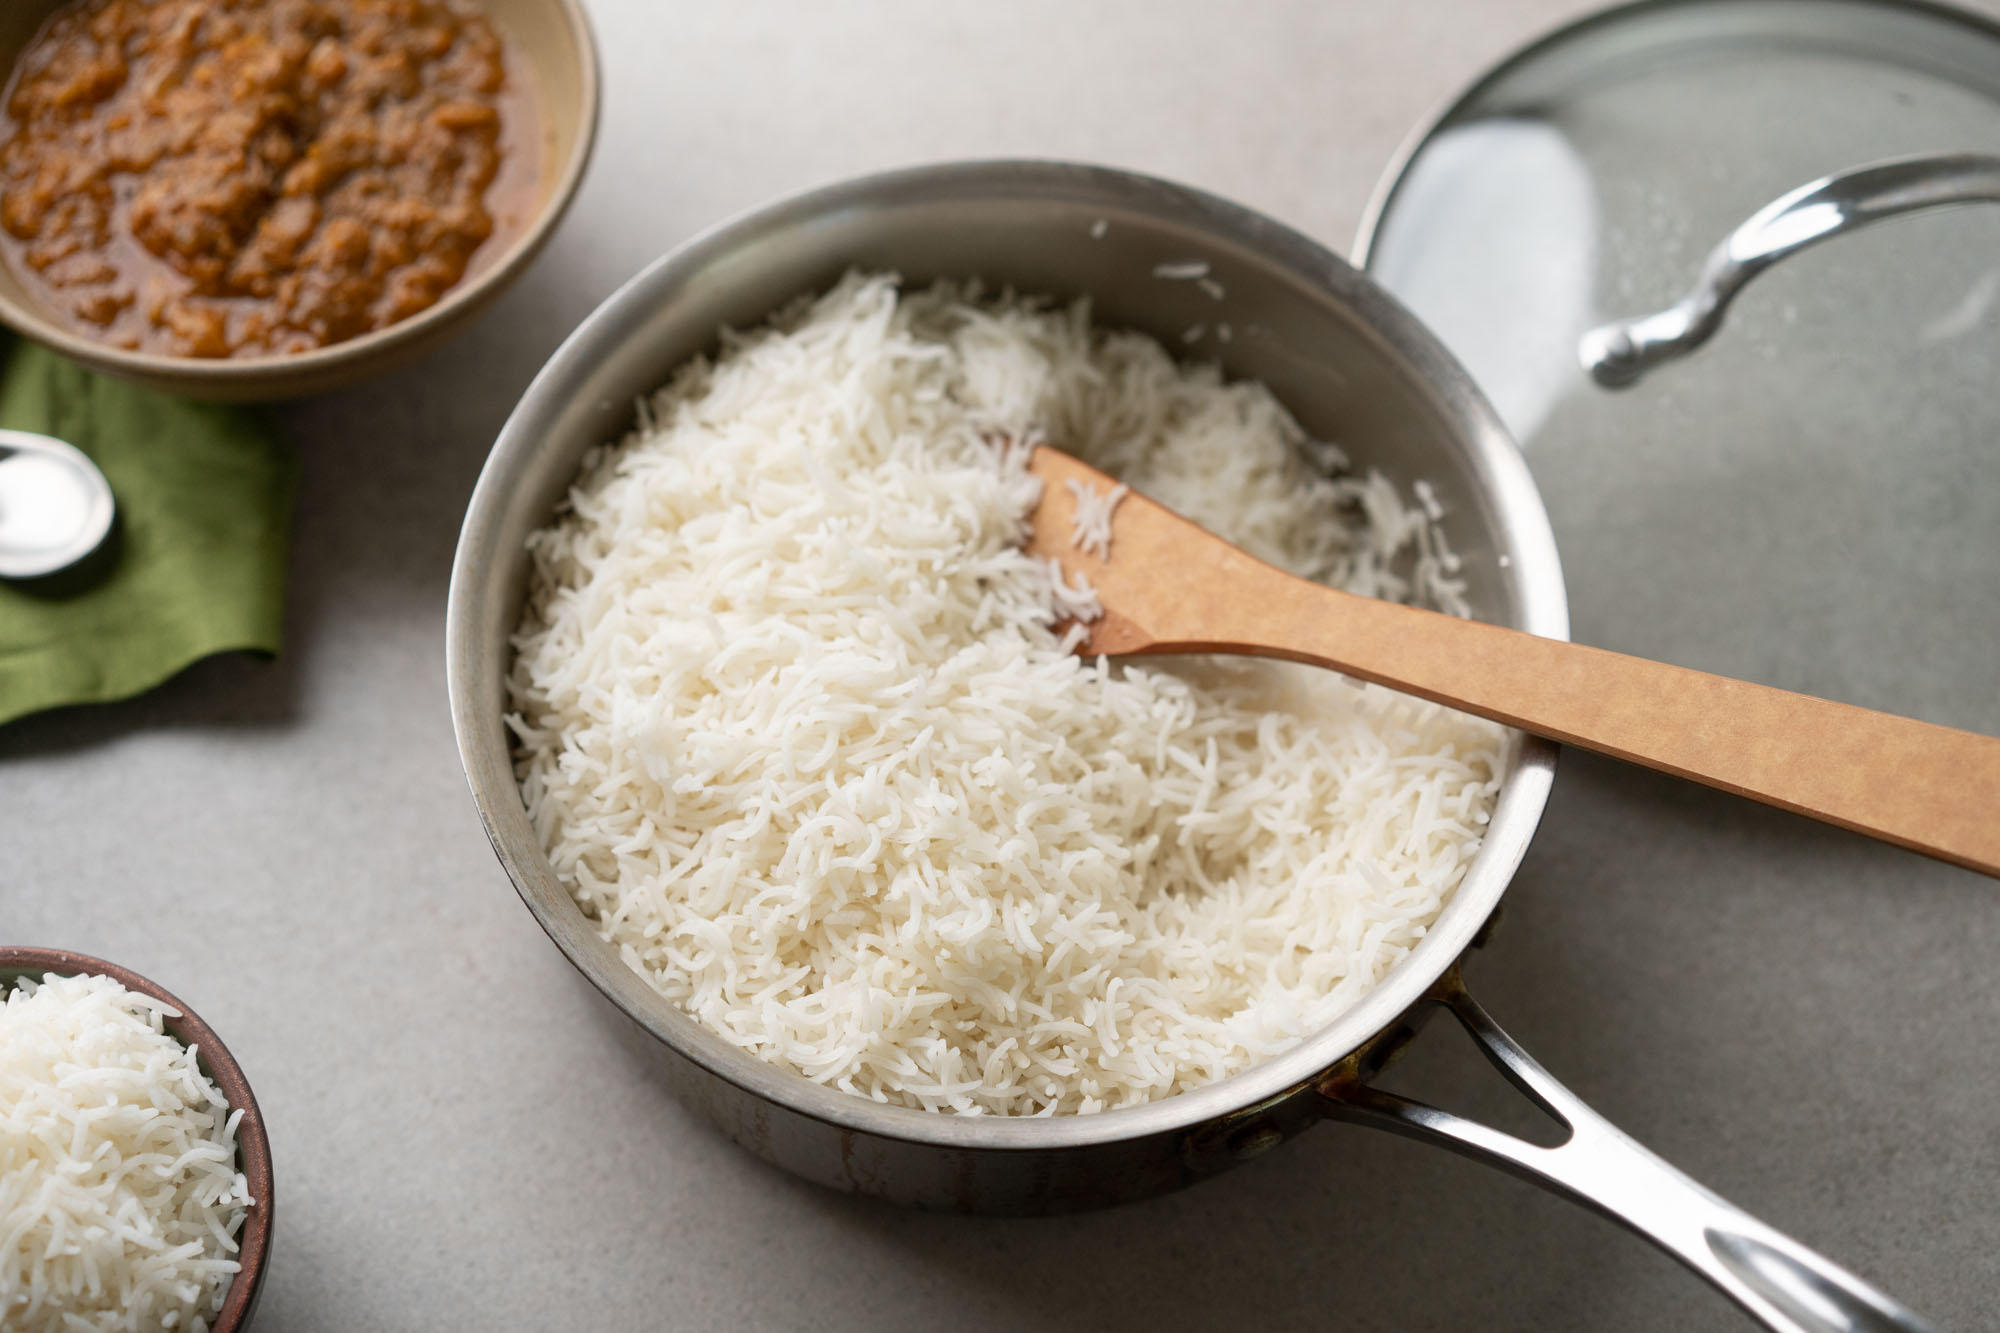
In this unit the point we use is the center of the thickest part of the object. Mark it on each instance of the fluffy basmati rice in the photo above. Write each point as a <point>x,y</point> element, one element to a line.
<point>1090,525</point>
<point>797,730</point>
<point>120,1200</point>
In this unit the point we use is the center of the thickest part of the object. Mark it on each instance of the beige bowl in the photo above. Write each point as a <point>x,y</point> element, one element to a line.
<point>552,38</point>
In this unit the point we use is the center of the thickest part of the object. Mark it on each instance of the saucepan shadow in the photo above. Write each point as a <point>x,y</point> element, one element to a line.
<point>1341,1226</point>
<point>1662,951</point>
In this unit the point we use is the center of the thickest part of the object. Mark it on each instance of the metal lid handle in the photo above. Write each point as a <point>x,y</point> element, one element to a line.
<point>1618,354</point>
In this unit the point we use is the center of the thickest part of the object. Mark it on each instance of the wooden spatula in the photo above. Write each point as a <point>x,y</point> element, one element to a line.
<point>1169,586</point>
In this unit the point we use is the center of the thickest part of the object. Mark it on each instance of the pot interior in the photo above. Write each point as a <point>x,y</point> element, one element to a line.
<point>1350,363</point>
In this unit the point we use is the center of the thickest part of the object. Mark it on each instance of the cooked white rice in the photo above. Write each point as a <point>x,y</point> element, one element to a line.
<point>1090,525</point>
<point>120,1200</point>
<point>795,729</point>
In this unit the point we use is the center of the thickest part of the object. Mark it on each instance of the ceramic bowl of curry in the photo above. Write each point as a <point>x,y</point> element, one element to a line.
<point>256,199</point>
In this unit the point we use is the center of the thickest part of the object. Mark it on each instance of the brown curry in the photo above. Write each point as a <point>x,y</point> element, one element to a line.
<point>223,178</point>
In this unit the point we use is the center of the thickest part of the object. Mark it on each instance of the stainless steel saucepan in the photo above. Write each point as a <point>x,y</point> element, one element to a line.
<point>1354,367</point>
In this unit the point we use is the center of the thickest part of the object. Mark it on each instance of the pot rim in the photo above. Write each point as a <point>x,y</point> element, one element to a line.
<point>484,752</point>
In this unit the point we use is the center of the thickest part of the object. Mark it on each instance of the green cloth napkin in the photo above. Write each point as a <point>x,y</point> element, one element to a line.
<point>195,563</point>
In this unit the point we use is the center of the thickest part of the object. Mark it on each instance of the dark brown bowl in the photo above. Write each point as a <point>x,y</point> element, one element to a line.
<point>253,1146</point>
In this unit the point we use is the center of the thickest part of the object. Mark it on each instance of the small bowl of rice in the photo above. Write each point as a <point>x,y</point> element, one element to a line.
<point>135,1173</point>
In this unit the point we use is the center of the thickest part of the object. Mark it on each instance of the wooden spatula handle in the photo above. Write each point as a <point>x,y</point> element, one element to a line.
<point>1170,586</point>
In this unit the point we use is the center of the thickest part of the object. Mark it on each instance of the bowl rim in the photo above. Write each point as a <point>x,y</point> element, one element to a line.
<point>253,1143</point>
<point>249,372</point>
<point>487,764</point>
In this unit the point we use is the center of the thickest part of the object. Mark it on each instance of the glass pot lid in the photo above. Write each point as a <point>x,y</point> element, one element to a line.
<point>1811,499</point>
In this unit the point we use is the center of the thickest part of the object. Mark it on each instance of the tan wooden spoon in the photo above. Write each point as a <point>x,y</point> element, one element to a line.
<point>1169,586</point>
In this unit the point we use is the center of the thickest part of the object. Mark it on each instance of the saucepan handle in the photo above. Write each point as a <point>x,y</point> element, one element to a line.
<point>1779,1281</point>
<point>1618,354</point>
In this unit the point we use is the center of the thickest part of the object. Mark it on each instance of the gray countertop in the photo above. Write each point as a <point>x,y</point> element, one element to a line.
<point>468,1137</point>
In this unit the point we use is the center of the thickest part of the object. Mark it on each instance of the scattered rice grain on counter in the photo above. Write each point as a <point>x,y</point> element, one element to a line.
<point>795,729</point>
<point>120,1200</point>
